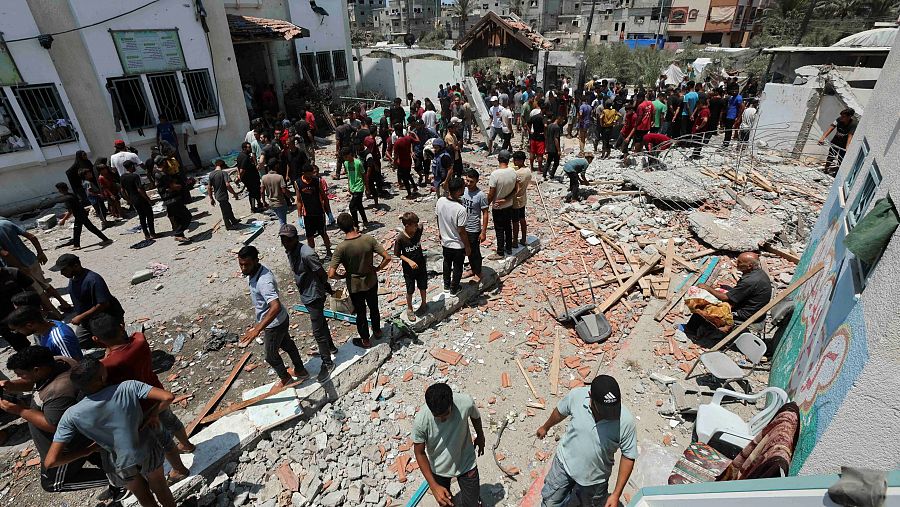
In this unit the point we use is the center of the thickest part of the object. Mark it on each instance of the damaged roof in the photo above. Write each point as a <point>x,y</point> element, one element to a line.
<point>487,27</point>
<point>250,28</point>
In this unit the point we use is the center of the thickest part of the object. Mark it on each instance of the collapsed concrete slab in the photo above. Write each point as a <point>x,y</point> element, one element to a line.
<point>739,232</point>
<point>447,304</point>
<point>684,185</point>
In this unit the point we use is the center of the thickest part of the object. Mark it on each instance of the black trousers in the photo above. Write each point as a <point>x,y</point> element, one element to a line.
<point>404,175</point>
<point>728,125</point>
<point>574,186</point>
<point>700,140</point>
<point>356,208</point>
<point>552,164</point>
<point>686,127</point>
<point>469,488</point>
<point>279,338</point>
<point>73,476</point>
<point>475,258</point>
<point>507,141</point>
<point>227,214</point>
<point>453,267</point>
<point>194,155</point>
<point>84,221</point>
<point>145,215</point>
<point>362,300</point>
<point>320,329</point>
<point>503,227</point>
<point>835,155</point>
<point>180,216</point>
<point>254,194</point>
<point>16,340</point>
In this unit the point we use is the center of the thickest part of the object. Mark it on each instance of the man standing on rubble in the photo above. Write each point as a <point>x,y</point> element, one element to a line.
<point>585,455</point>
<point>752,292</point>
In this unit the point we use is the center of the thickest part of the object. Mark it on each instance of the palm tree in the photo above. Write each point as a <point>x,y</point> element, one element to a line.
<point>461,9</point>
<point>841,8</point>
<point>881,8</point>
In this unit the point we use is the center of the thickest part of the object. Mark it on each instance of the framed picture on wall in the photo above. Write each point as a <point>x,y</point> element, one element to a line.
<point>678,16</point>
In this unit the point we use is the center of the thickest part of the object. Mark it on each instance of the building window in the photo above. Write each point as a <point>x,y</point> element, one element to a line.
<point>864,197</point>
<point>10,129</point>
<point>693,14</point>
<point>576,6</point>
<point>616,27</point>
<point>323,64</point>
<point>200,93</point>
<point>854,170</point>
<point>130,102</point>
<point>45,114</point>
<point>308,64</point>
<point>339,59</point>
<point>167,97</point>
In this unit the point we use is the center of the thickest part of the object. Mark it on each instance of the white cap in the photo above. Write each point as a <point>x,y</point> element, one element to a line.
<point>494,98</point>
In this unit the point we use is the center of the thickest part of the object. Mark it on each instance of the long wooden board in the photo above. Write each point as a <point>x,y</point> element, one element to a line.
<point>246,403</point>
<point>640,273</point>
<point>537,398</point>
<point>762,311</point>
<point>554,367</point>
<point>219,394</point>
<point>660,315</point>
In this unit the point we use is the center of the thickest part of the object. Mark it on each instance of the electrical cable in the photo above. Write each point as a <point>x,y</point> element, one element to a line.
<point>87,26</point>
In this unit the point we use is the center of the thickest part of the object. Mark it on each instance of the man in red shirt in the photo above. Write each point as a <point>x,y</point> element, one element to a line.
<point>655,143</point>
<point>628,126</point>
<point>701,127</point>
<point>402,151</point>
<point>129,358</point>
<point>644,121</point>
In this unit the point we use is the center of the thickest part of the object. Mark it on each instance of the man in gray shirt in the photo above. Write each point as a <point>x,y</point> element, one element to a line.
<point>218,189</point>
<point>476,203</point>
<point>312,282</point>
<point>271,318</point>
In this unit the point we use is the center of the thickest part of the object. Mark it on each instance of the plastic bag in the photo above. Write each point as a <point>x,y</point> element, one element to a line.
<point>654,465</point>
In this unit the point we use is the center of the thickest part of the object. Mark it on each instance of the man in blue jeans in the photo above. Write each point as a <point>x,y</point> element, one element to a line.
<point>585,456</point>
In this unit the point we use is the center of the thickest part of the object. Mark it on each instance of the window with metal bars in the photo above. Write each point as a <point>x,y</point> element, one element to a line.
<point>323,63</point>
<point>167,97</point>
<point>308,64</point>
<point>200,93</point>
<point>339,58</point>
<point>12,138</point>
<point>45,114</point>
<point>130,102</point>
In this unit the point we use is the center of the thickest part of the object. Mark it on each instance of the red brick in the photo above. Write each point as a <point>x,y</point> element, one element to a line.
<point>446,356</point>
<point>504,380</point>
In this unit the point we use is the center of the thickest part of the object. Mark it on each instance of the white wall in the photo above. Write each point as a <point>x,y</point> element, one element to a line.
<point>419,71</point>
<point>327,33</point>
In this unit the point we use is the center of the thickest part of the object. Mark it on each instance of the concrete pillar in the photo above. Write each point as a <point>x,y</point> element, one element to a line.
<point>275,72</point>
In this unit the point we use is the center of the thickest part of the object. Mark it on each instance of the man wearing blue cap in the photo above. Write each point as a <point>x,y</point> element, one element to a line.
<point>586,452</point>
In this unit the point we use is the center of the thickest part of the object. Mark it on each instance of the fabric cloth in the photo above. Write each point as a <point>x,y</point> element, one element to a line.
<point>273,183</point>
<point>118,160</point>
<point>53,397</point>
<point>769,454</point>
<point>264,290</point>
<point>587,449</point>
<point>504,181</point>
<point>366,300</point>
<point>355,175</point>
<point>689,102</point>
<point>305,263</point>
<point>576,165</point>
<point>10,240</point>
<point>503,227</point>
<point>553,133</point>
<point>311,196</point>
<point>61,340</point>
<point>453,266</point>
<point>469,488</point>
<point>111,417</point>
<point>871,235</point>
<point>356,256</point>
<point>451,215</point>
<point>448,444</point>
<point>659,112</point>
<point>88,289</point>
<point>752,292</point>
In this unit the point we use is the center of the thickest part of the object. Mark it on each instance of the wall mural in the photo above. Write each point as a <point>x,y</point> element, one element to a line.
<point>823,348</point>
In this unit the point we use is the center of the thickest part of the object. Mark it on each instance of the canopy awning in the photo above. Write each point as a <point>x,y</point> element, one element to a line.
<point>249,28</point>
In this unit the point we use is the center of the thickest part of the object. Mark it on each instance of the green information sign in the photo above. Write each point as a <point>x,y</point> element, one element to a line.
<point>147,51</point>
<point>9,73</point>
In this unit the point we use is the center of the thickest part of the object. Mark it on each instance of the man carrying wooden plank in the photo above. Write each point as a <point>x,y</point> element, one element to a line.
<point>751,293</point>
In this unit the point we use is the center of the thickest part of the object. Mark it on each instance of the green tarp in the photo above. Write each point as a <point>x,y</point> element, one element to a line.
<point>871,235</point>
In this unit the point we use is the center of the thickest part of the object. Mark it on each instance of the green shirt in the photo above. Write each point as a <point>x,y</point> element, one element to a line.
<point>659,111</point>
<point>448,444</point>
<point>356,174</point>
<point>587,450</point>
<point>356,256</point>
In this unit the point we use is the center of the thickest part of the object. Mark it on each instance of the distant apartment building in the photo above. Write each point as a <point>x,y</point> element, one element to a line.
<point>362,13</point>
<point>725,23</point>
<point>541,15</point>
<point>399,17</point>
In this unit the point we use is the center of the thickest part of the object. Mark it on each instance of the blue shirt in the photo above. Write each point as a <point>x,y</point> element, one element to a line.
<point>734,105</point>
<point>576,165</point>
<point>166,132</point>
<point>690,102</point>
<point>264,290</point>
<point>61,340</point>
<point>10,234</point>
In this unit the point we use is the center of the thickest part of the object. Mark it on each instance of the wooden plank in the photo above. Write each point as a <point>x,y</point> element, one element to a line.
<point>660,315</point>
<point>697,255</point>
<point>667,266</point>
<point>734,195</point>
<point>635,266</point>
<point>762,311</point>
<point>549,218</point>
<point>618,293</point>
<point>788,256</point>
<point>219,394</point>
<point>554,367</point>
<point>530,385</point>
<point>246,403</point>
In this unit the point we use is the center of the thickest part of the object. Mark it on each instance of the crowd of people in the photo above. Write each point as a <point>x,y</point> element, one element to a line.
<point>423,146</point>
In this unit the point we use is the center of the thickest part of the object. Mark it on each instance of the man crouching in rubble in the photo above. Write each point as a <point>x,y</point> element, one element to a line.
<point>752,292</point>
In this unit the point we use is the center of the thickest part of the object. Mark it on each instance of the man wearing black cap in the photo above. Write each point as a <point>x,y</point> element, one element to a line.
<point>89,293</point>
<point>585,456</point>
<point>312,282</point>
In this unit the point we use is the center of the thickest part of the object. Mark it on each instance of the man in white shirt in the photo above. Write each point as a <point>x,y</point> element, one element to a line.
<point>748,118</point>
<point>451,218</point>
<point>122,154</point>
<point>429,117</point>
<point>495,113</point>
<point>501,194</point>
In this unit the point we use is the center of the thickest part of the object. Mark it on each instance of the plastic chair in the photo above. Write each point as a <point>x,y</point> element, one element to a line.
<point>719,365</point>
<point>714,420</point>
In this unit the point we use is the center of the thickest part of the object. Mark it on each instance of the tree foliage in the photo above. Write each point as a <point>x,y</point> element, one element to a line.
<point>640,65</point>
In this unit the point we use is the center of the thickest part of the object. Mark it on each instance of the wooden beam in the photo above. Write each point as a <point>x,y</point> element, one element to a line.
<point>549,217</point>
<point>640,273</point>
<point>660,315</point>
<point>762,312</point>
<point>788,256</point>
<point>218,395</point>
<point>635,266</point>
<point>734,195</point>
<point>530,385</point>
<point>697,255</point>
<point>554,366</point>
<point>667,266</point>
<point>246,403</point>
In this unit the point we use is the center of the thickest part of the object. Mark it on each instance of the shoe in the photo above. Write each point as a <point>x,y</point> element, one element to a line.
<point>509,253</point>
<point>411,315</point>
<point>454,291</point>
<point>495,257</point>
<point>113,494</point>
<point>325,371</point>
<point>300,374</point>
<point>362,343</point>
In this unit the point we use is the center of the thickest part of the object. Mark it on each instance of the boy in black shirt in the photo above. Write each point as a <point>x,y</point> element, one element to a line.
<point>75,210</point>
<point>409,248</point>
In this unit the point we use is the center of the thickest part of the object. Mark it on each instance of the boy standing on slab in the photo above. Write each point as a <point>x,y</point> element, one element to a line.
<point>408,248</point>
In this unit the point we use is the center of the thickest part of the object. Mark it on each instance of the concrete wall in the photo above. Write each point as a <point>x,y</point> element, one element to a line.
<point>839,356</point>
<point>327,33</point>
<point>394,72</point>
<point>691,25</point>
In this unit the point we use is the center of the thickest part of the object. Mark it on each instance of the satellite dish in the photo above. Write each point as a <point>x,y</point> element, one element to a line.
<point>409,39</point>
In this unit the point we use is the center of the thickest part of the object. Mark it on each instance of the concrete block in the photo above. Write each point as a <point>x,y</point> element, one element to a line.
<point>141,276</point>
<point>47,222</point>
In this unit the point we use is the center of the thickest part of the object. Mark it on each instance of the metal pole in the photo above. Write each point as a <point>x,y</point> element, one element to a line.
<point>587,37</point>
